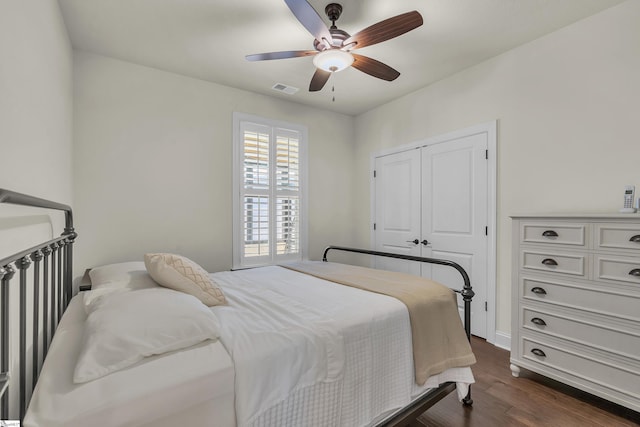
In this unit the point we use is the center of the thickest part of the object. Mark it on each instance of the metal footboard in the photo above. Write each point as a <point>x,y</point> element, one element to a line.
<point>48,267</point>
<point>411,412</point>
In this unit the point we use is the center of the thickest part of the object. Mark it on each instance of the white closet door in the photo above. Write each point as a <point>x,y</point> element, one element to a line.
<point>397,186</point>
<point>454,216</point>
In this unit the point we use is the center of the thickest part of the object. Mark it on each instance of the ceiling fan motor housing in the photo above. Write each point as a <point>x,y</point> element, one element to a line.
<point>338,37</point>
<point>333,11</point>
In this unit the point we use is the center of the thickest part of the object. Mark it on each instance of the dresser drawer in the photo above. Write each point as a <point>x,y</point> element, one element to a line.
<point>583,366</point>
<point>554,234</point>
<point>617,269</point>
<point>592,297</point>
<point>618,236</point>
<point>588,331</point>
<point>554,262</point>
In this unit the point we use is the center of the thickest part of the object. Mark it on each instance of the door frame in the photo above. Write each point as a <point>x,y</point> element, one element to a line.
<point>491,131</point>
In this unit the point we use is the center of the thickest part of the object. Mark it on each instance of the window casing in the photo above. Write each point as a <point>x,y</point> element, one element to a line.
<point>270,214</point>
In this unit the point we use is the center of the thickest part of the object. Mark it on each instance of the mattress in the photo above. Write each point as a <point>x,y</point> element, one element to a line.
<point>190,387</point>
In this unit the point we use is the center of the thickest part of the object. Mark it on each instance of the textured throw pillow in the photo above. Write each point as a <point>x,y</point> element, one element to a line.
<point>122,328</point>
<point>182,274</point>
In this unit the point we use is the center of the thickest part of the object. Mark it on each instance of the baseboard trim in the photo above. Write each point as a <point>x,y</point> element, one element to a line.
<point>503,340</point>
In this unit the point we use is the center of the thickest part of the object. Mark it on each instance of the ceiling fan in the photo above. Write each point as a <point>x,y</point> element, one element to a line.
<point>333,46</point>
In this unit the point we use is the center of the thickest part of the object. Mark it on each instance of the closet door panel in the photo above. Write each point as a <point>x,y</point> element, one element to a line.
<point>454,214</point>
<point>398,209</point>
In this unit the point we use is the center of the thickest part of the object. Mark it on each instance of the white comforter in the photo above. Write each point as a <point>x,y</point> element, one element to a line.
<point>278,344</point>
<point>308,352</point>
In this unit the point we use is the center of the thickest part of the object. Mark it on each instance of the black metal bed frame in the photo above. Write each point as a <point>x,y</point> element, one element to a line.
<point>424,402</point>
<point>56,258</point>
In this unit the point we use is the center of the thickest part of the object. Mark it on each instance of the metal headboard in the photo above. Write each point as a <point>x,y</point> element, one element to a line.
<point>56,259</point>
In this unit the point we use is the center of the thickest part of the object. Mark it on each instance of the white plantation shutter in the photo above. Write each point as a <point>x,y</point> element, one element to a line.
<point>255,191</point>
<point>287,192</point>
<point>269,209</point>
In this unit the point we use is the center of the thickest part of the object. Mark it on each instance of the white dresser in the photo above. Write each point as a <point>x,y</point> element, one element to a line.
<point>576,302</point>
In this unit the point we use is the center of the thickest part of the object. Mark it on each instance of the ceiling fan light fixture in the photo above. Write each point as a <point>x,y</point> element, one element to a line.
<point>333,60</point>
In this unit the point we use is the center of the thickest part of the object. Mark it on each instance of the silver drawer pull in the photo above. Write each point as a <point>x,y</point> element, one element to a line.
<point>549,262</point>
<point>550,233</point>
<point>635,272</point>
<point>538,321</point>
<point>635,239</point>
<point>538,352</point>
<point>538,290</point>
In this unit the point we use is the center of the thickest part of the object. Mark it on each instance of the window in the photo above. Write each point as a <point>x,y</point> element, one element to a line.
<point>269,215</point>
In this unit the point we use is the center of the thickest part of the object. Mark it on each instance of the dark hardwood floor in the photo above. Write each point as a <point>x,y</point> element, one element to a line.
<point>530,400</point>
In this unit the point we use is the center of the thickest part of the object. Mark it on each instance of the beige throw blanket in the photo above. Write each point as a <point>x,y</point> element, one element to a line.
<point>439,341</point>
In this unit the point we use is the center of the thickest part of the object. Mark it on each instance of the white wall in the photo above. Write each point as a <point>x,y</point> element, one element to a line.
<point>153,164</point>
<point>35,108</point>
<point>567,106</point>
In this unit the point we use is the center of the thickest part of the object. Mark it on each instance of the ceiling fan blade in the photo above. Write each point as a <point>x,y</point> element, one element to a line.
<point>374,68</point>
<point>385,30</point>
<point>319,79</point>
<point>310,19</point>
<point>280,55</point>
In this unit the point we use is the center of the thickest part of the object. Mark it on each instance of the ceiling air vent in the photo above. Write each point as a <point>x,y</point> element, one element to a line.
<point>289,90</point>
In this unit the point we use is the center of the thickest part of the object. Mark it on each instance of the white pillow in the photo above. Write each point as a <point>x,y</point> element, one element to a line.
<point>131,275</point>
<point>124,327</point>
<point>182,274</point>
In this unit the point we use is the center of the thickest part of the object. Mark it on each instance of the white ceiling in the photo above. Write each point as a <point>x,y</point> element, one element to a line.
<point>208,39</point>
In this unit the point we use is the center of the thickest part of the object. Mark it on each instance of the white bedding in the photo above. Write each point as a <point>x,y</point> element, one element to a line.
<point>376,375</point>
<point>352,364</point>
<point>192,386</point>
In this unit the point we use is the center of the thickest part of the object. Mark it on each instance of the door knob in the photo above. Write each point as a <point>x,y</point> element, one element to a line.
<point>425,242</point>
<point>414,241</point>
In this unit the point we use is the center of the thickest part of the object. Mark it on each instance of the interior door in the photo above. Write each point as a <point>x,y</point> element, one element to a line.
<point>397,209</point>
<point>454,216</point>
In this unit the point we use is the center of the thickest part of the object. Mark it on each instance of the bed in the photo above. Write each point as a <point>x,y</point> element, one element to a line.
<point>292,348</point>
